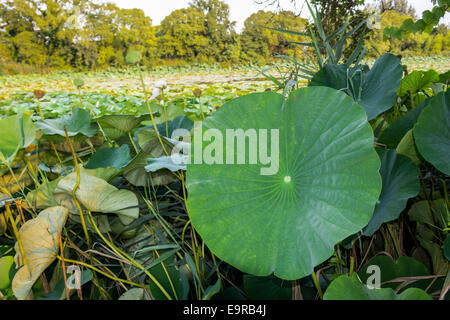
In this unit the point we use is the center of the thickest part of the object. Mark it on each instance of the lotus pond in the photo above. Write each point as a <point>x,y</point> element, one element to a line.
<point>94,206</point>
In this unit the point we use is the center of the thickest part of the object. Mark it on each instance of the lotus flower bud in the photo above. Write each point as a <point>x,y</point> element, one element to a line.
<point>39,94</point>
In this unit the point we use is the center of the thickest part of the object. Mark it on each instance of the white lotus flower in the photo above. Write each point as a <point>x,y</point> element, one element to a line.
<point>155,93</point>
<point>161,84</point>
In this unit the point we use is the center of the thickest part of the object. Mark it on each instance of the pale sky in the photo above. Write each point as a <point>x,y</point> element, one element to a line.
<point>157,10</point>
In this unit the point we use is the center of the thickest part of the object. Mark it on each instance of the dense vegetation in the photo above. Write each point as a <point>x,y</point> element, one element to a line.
<point>36,35</point>
<point>95,204</point>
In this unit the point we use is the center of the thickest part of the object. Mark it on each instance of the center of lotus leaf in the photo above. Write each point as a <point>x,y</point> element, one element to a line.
<point>287,179</point>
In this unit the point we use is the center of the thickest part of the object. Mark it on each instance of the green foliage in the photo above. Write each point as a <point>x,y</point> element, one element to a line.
<point>414,44</point>
<point>331,211</point>
<point>17,131</point>
<point>259,223</point>
<point>400,182</point>
<point>351,288</point>
<point>358,82</point>
<point>429,20</point>
<point>259,43</point>
<point>432,132</point>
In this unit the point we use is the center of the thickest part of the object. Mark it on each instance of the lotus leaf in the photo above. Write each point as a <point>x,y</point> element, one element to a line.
<point>96,195</point>
<point>374,90</point>
<point>79,122</point>
<point>400,182</point>
<point>346,288</point>
<point>432,132</point>
<point>40,241</point>
<point>325,188</point>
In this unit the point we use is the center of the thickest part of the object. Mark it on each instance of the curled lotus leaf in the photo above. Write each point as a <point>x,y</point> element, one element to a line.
<point>96,195</point>
<point>40,241</point>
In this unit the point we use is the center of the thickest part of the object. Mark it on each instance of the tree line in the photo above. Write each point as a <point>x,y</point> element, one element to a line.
<point>92,34</point>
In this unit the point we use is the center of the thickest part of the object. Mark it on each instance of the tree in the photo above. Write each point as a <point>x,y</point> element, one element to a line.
<point>420,44</point>
<point>182,34</point>
<point>43,32</point>
<point>259,43</point>
<point>400,6</point>
<point>220,31</point>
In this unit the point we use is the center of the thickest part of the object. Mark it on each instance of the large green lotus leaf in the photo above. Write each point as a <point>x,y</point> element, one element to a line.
<point>432,132</point>
<point>374,90</point>
<point>40,242</point>
<point>393,134</point>
<point>96,195</point>
<point>350,288</point>
<point>79,122</point>
<point>390,269</point>
<point>325,188</point>
<point>116,125</point>
<point>400,182</point>
<point>417,81</point>
<point>16,132</point>
<point>110,157</point>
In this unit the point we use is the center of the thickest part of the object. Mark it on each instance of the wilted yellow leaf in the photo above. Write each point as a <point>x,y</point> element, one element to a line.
<point>40,241</point>
<point>96,195</point>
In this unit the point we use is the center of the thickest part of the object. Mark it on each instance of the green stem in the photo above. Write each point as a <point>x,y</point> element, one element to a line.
<point>316,283</point>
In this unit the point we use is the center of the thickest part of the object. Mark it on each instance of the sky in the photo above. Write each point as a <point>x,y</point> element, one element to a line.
<point>157,10</point>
